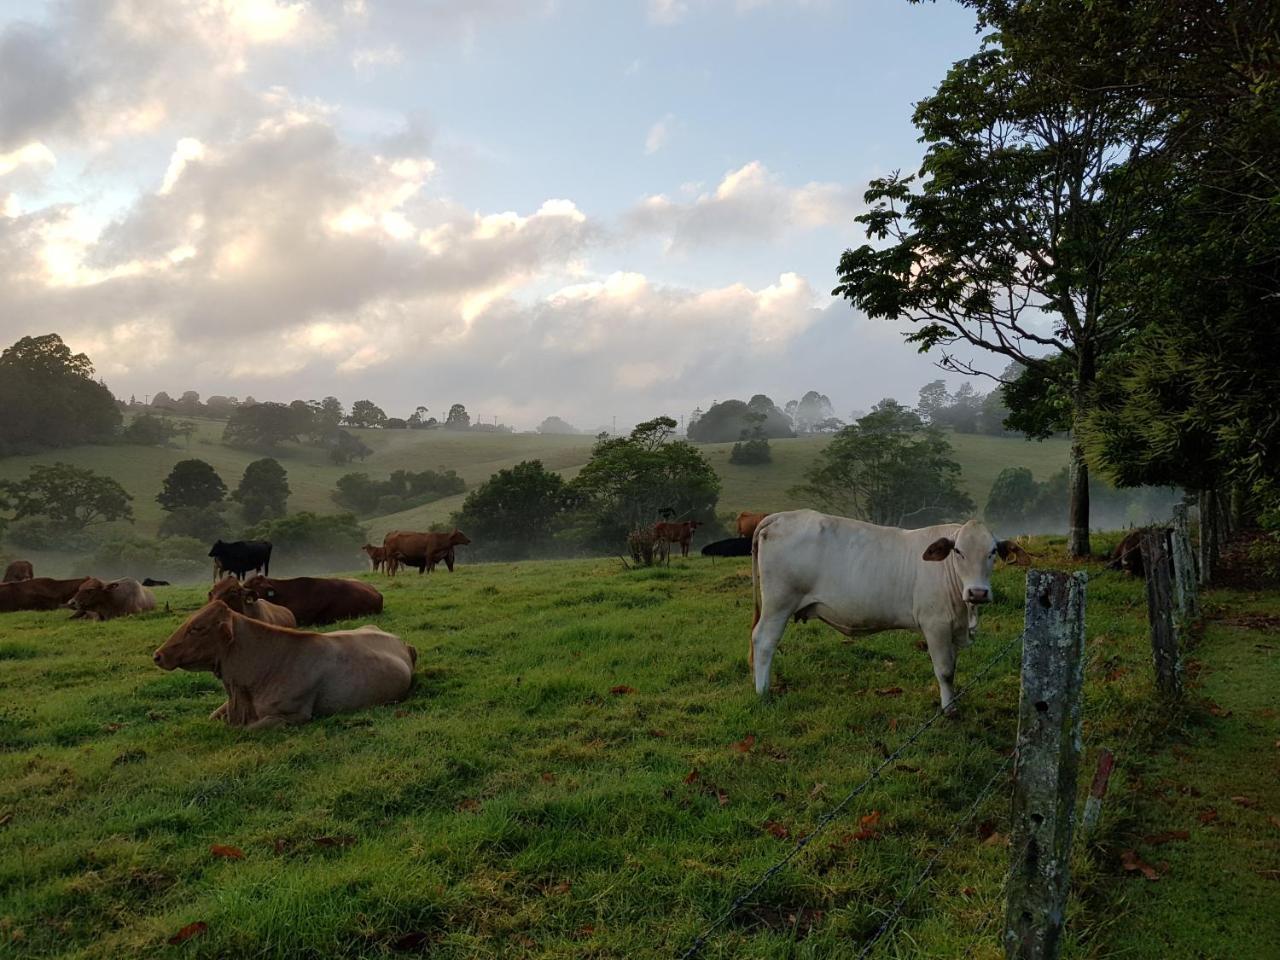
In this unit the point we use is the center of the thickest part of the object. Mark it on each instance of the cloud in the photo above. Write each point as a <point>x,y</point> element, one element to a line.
<point>749,203</point>
<point>657,136</point>
<point>366,59</point>
<point>673,11</point>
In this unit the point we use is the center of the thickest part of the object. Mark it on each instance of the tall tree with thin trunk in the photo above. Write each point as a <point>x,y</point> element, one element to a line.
<point>1025,202</point>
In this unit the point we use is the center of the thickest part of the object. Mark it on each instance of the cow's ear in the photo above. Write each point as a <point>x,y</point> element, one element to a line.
<point>1011,552</point>
<point>114,585</point>
<point>940,549</point>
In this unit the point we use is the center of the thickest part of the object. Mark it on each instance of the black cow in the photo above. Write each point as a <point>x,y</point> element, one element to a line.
<point>241,556</point>
<point>732,547</point>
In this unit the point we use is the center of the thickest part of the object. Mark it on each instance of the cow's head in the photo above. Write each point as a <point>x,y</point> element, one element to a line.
<point>458,539</point>
<point>230,592</point>
<point>370,549</point>
<point>92,595</point>
<point>216,550</point>
<point>201,642</point>
<point>974,551</point>
<point>260,588</point>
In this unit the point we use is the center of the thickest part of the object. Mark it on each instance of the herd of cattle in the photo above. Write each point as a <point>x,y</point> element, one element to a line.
<point>856,577</point>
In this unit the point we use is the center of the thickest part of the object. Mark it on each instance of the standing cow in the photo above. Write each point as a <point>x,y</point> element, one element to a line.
<point>681,532</point>
<point>861,578</point>
<point>421,550</point>
<point>239,557</point>
<point>377,556</point>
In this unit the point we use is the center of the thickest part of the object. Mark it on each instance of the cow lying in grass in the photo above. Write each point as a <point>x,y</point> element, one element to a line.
<point>275,676</point>
<point>231,592</point>
<point>96,600</point>
<point>315,600</point>
<point>40,593</point>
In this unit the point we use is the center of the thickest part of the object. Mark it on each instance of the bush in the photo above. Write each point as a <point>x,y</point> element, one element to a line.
<point>148,430</point>
<point>173,559</point>
<point>310,539</point>
<point>403,489</point>
<point>200,523</point>
<point>40,533</point>
<point>751,452</point>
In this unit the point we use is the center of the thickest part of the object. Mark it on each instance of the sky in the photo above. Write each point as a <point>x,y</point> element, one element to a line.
<point>586,208</point>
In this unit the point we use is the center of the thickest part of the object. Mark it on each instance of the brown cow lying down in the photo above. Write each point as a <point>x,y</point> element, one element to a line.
<point>96,600</point>
<point>18,570</point>
<point>41,593</point>
<point>315,600</point>
<point>421,550</point>
<point>230,591</point>
<point>276,676</point>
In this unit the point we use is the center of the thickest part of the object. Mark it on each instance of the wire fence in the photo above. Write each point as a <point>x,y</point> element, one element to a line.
<point>826,819</point>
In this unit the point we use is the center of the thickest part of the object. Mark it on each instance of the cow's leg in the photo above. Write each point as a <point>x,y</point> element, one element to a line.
<point>448,559</point>
<point>942,651</point>
<point>764,640</point>
<point>221,712</point>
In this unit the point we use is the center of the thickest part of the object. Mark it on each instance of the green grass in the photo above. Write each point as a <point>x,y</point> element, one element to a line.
<point>514,806</point>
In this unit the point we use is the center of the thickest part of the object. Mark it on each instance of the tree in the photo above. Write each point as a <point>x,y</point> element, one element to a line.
<point>515,509</point>
<point>752,447</point>
<point>933,403</point>
<point>1026,201</point>
<point>458,418</point>
<point>263,491</point>
<point>191,483</point>
<point>888,468</point>
<point>1012,500</point>
<point>725,421</point>
<point>809,411</point>
<point>162,401</point>
<point>264,425</point>
<point>366,413</point>
<point>148,430</point>
<point>188,404</point>
<point>556,425</point>
<point>69,496</point>
<point>201,523</point>
<point>50,399</point>
<point>344,447</point>
<point>331,413</point>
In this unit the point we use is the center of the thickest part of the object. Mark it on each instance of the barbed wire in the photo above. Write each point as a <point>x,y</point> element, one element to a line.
<point>1001,897</point>
<point>825,820</point>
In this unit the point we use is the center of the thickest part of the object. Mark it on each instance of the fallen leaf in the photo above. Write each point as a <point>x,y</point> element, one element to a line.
<point>777,829</point>
<point>1247,802</point>
<point>657,733</point>
<point>968,892</point>
<point>548,777</point>
<point>189,931</point>
<point>621,689</point>
<point>524,940</point>
<point>691,776</point>
<point>722,798</point>
<point>280,846</point>
<point>1216,710</point>
<point>1130,861</point>
<point>1274,821</point>
<point>410,942</point>
<point>889,692</point>
<point>226,853</point>
<point>986,828</point>
<point>907,768</point>
<point>343,841</point>
<point>893,723</point>
<point>1159,839</point>
<point>563,887</point>
<point>745,744</point>
<point>870,820</point>
<point>1208,815</point>
<point>1116,673</point>
<point>863,835</point>
<point>921,646</point>
<point>405,713</point>
<point>997,839</point>
<point>586,930</point>
<point>470,805</point>
<point>818,788</point>
<point>5,817</point>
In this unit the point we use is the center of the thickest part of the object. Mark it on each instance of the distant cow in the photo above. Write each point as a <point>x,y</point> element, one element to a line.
<point>1127,555</point>
<point>314,600</point>
<point>241,556</point>
<point>747,522</point>
<point>679,532</point>
<point>276,676</point>
<point>377,556</point>
<point>18,570</point>
<point>96,600</point>
<point>729,547</point>
<point>236,596</point>
<point>861,578</point>
<point>39,593</point>
<point>421,550</point>
<point>155,583</point>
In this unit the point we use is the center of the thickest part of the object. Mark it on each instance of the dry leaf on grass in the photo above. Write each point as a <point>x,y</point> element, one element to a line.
<point>745,744</point>
<point>1130,860</point>
<point>691,776</point>
<point>1208,815</point>
<point>1246,802</point>
<point>889,692</point>
<point>621,689</point>
<point>226,852</point>
<point>189,931</point>
<point>343,841</point>
<point>1160,839</point>
<point>777,829</point>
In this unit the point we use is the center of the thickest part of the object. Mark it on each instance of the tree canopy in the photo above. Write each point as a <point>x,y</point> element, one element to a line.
<point>68,496</point>
<point>725,421</point>
<point>263,490</point>
<point>50,399</point>
<point>191,483</point>
<point>514,512</point>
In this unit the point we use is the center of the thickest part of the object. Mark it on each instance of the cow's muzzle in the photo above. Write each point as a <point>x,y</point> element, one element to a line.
<point>977,595</point>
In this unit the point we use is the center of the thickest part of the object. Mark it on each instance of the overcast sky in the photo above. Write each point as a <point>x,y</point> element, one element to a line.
<point>533,207</point>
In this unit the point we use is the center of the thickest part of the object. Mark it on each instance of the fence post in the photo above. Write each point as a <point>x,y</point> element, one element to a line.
<point>1184,567</point>
<point>1208,534</point>
<point>1047,765</point>
<point>1158,563</point>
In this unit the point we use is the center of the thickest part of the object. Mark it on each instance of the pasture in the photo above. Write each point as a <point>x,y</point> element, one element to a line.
<point>583,770</point>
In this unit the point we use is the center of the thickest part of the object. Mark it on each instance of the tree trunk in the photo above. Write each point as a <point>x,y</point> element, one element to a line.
<point>1078,473</point>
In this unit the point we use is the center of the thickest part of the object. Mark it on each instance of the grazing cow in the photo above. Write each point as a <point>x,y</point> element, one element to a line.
<point>241,556</point>
<point>861,578</point>
<point>747,522</point>
<point>681,533</point>
<point>18,570</point>
<point>96,600</point>
<point>38,593</point>
<point>1127,555</point>
<point>276,676</point>
<point>314,600</point>
<point>421,550</point>
<point>233,593</point>
<point>377,556</point>
<point>729,547</point>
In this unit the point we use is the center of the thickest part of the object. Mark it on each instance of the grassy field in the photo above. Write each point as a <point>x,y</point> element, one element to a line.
<point>582,770</point>
<point>477,456</point>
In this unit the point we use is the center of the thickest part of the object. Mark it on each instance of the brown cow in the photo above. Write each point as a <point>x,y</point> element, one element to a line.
<point>1127,555</point>
<point>747,522</point>
<point>18,570</point>
<point>377,556</point>
<point>317,599</point>
<point>421,550</point>
<point>676,532</point>
<point>276,676</point>
<point>96,600</point>
<point>231,592</point>
<point>39,593</point>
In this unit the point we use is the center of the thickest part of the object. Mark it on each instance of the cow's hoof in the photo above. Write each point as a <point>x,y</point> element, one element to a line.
<point>952,712</point>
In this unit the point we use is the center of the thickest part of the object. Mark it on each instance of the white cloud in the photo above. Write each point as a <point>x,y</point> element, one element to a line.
<point>673,11</point>
<point>657,136</point>
<point>366,59</point>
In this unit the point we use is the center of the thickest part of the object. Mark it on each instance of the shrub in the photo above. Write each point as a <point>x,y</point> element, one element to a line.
<point>41,533</point>
<point>326,539</point>
<point>200,523</point>
<point>751,452</point>
<point>173,559</point>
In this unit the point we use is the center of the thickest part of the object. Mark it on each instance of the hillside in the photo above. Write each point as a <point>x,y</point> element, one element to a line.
<point>477,456</point>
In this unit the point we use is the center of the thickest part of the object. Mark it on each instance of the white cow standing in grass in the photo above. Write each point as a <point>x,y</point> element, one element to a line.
<point>861,578</point>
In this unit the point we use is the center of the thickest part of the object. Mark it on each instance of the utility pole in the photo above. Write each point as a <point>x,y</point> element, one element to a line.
<point>615,424</point>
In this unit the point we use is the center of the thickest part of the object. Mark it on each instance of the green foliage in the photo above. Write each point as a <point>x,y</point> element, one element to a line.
<point>201,523</point>
<point>265,425</point>
<point>458,418</point>
<point>174,558</point>
<point>556,425</point>
<point>366,413</point>
<point>191,483</point>
<point>69,496</point>
<point>889,468</point>
<point>513,514</point>
<point>726,420</point>
<point>811,413</point>
<point>50,399</point>
<point>40,533</point>
<point>1012,499</point>
<point>402,490</point>
<point>312,538</point>
<point>148,430</point>
<point>263,490</point>
<point>629,479</point>
<point>344,446</point>
<point>753,448</point>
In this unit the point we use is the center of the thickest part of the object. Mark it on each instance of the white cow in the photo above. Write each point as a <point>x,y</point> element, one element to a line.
<point>861,578</point>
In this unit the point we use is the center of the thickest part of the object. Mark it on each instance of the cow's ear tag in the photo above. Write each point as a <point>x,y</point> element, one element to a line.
<point>940,549</point>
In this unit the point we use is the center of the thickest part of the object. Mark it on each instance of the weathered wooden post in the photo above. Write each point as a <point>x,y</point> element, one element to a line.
<point>1185,590</point>
<point>1098,790</point>
<point>1208,534</point>
<point>1048,763</point>
<point>1158,563</point>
